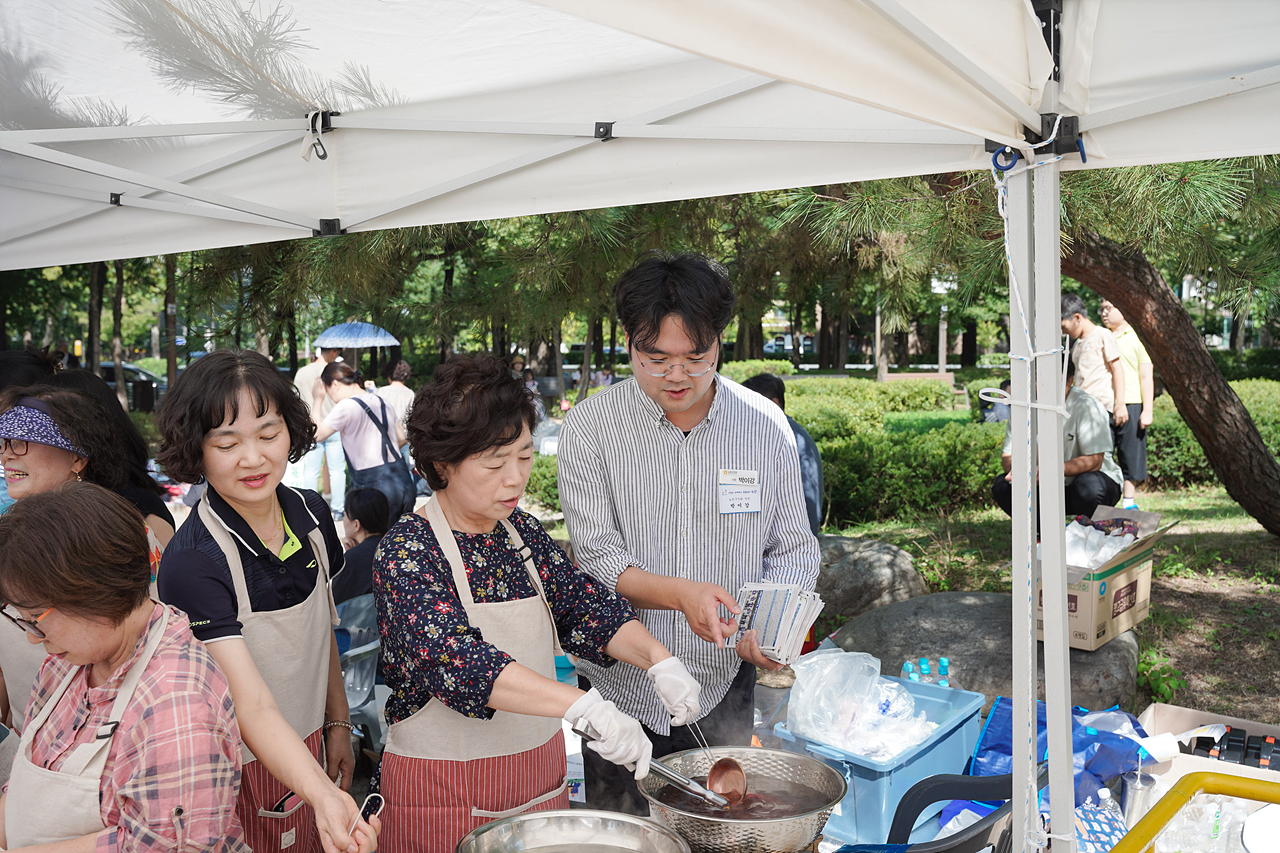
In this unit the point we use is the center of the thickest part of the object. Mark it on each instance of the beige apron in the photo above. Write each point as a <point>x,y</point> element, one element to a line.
<point>289,647</point>
<point>523,629</point>
<point>45,806</point>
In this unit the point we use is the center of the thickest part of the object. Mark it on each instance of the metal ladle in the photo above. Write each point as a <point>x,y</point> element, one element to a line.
<point>726,776</point>
<point>681,781</point>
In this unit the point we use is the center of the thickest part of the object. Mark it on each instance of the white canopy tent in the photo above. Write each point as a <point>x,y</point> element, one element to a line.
<point>143,127</point>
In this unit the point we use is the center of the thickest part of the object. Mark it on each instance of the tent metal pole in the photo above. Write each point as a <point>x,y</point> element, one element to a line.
<point>946,53</point>
<point>152,182</point>
<point>185,175</point>
<point>151,131</point>
<point>670,131</point>
<point>1053,576</point>
<point>103,203</point>
<point>1198,94</point>
<point>1022,429</point>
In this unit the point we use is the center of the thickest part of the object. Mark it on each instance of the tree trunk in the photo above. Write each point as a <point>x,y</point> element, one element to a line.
<point>171,317</point>
<point>882,357</point>
<point>841,342</point>
<point>291,328</point>
<point>613,342</point>
<point>446,293</point>
<point>557,360</point>
<point>1206,402</point>
<point>969,344</point>
<point>750,340</point>
<point>584,369</point>
<point>117,338</point>
<point>97,282</point>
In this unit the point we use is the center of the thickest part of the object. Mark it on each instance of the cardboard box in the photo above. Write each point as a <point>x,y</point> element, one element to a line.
<point>1158,718</point>
<point>1105,602</point>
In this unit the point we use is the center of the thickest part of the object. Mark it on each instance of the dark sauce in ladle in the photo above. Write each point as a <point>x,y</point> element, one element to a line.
<point>767,799</point>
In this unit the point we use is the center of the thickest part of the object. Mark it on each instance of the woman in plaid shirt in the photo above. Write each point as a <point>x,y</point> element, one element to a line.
<point>130,742</point>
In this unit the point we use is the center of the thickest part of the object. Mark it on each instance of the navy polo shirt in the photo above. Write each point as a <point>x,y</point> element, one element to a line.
<point>195,575</point>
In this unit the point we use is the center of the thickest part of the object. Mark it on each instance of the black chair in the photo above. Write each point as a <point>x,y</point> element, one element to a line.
<point>992,831</point>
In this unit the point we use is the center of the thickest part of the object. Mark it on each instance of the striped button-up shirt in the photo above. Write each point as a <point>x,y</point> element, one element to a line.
<point>638,492</point>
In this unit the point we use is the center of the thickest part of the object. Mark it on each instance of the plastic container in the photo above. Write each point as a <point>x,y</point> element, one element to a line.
<point>875,787</point>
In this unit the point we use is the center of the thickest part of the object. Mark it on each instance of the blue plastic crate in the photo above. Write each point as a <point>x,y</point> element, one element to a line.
<point>875,787</point>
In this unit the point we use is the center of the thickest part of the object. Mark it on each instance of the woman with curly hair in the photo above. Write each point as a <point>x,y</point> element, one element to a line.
<point>49,437</point>
<point>251,566</point>
<point>473,600</point>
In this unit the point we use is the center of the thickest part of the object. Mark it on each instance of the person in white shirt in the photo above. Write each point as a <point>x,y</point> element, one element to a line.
<point>642,464</point>
<point>305,473</point>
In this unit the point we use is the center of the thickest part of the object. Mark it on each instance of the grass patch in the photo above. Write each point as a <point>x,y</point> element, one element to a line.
<point>919,422</point>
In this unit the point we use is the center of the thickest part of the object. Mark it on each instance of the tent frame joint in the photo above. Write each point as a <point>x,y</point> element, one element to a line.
<point>1050,14</point>
<point>329,228</point>
<point>115,200</point>
<point>604,131</point>
<point>1067,141</point>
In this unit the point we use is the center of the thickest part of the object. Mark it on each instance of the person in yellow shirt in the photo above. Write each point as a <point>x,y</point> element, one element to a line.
<point>1139,394</point>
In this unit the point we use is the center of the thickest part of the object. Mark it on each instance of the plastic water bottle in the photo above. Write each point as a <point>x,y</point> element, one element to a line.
<point>926,674</point>
<point>915,676</point>
<point>944,677</point>
<point>907,669</point>
<point>1108,804</point>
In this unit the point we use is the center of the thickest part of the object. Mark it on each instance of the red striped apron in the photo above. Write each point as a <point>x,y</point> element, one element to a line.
<point>290,648</point>
<point>444,774</point>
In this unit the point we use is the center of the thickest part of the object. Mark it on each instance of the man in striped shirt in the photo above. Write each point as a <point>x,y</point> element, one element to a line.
<point>678,487</point>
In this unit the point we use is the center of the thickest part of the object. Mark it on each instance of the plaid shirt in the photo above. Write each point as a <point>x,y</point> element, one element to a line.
<point>177,745</point>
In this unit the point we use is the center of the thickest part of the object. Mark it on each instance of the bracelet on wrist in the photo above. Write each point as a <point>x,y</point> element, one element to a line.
<point>346,724</point>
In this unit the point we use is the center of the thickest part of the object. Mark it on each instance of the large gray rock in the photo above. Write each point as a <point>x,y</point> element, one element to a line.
<point>858,575</point>
<point>975,630</point>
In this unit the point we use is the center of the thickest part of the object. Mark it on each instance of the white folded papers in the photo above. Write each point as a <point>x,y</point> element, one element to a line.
<point>781,616</point>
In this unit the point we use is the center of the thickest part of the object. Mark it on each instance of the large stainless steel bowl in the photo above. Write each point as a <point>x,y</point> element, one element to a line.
<point>722,835</point>
<point>572,831</point>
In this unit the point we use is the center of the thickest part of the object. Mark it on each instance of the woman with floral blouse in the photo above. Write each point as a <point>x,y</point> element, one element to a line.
<point>474,599</point>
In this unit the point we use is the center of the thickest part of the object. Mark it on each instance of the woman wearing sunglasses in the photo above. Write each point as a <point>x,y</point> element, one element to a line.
<point>130,741</point>
<point>48,437</point>
<point>251,566</point>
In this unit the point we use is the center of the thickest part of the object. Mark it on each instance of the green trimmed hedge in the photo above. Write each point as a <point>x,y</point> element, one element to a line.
<point>1250,364</point>
<point>910,395</point>
<point>543,485</point>
<point>1175,458</point>
<point>741,371</point>
<point>889,474</point>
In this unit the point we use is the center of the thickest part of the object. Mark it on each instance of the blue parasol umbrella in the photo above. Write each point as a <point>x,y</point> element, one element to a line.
<point>355,334</point>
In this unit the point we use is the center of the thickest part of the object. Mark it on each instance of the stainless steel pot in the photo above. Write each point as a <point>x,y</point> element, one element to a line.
<point>572,831</point>
<point>722,835</point>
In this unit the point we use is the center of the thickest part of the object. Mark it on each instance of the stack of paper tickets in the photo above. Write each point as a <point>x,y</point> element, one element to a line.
<point>781,616</point>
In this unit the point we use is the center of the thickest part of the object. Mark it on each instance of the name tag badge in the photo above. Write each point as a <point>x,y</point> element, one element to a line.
<point>739,491</point>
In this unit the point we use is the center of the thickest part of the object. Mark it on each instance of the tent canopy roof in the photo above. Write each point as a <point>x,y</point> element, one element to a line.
<point>137,127</point>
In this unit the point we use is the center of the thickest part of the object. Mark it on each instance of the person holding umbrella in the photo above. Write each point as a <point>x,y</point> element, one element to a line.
<point>371,435</point>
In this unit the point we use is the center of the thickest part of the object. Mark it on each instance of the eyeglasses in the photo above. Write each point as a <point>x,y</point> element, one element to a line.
<point>31,626</point>
<point>693,369</point>
<point>16,446</point>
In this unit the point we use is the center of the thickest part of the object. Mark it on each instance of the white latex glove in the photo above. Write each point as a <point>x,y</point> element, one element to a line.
<point>677,689</point>
<point>619,738</point>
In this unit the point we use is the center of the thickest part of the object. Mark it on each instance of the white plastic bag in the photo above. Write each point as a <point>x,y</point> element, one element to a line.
<point>831,690</point>
<point>840,699</point>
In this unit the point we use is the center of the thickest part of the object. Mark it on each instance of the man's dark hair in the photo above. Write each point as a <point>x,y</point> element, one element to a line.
<point>689,286</point>
<point>472,405</point>
<point>206,396</point>
<point>1072,305</point>
<point>339,371</point>
<point>370,508</point>
<point>96,567</point>
<point>86,423</point>
<point>770,385</point>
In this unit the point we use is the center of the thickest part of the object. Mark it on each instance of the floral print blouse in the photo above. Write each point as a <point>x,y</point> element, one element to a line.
<point>429,648</point>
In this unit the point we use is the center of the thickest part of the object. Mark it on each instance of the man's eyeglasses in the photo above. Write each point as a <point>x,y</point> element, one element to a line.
<point>31,626</point>
<point>693,369</point>
<point>16,446</point>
